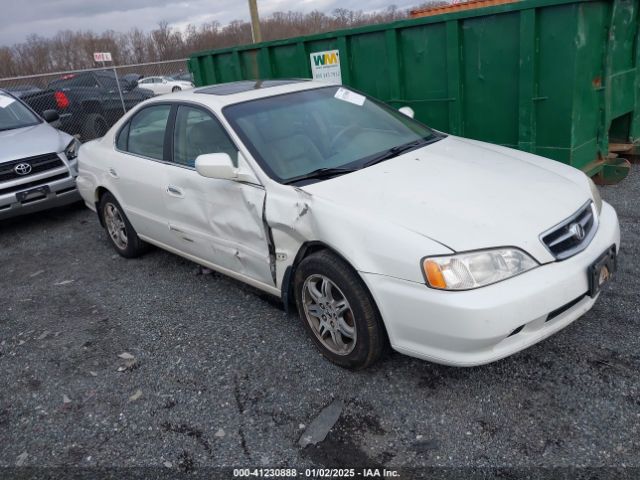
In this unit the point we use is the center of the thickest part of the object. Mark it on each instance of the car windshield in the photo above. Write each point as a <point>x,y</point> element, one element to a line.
<point>13,114</point>
<point>323,132</point>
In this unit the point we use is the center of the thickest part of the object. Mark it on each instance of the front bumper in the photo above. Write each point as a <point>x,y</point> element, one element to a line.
<point>475,327</point>
<point>62,192</point>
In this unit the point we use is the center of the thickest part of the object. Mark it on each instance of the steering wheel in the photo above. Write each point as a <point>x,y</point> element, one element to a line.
<point>343,132</point>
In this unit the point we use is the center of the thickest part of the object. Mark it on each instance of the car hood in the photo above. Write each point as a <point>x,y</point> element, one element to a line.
<point>31,141</point>
<point>461,194</point>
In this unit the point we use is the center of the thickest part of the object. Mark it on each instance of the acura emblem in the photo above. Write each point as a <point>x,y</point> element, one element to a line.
<point>577,230</point>
<point>22,169</point>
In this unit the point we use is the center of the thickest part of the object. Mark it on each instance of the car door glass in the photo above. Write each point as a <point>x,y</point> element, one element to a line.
<point>196,133</point>
<point>146,131</point>
<point>123,136</point>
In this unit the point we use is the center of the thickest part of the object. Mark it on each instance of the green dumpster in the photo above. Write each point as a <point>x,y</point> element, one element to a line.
<point>554,77</point>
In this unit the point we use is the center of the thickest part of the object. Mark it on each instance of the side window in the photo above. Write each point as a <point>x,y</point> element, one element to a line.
<point>198,132</point>
<point>146,131</point>
<point>123,137</point>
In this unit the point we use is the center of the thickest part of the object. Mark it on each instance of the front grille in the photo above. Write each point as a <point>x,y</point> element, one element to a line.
<point>39,163</point>
<point>36,183</point>
<point>572,235</point>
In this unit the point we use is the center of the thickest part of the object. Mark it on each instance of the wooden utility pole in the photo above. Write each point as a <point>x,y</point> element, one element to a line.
<point>255,22</point>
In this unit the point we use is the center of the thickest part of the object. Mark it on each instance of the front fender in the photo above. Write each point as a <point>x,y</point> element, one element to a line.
<point>370,245</point>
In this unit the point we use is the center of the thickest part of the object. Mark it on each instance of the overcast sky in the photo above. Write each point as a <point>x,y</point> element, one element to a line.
<point>46,17</point>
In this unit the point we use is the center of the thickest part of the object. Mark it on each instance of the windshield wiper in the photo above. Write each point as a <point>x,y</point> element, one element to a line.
<point>395,151</point>
<point>326,172</point>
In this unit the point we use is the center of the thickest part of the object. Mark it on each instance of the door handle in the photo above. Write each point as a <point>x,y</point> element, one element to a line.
<point>113,173</point>
<point>175,191</point>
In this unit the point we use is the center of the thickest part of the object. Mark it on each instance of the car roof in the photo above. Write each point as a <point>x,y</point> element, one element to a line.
<point>223,94</point>
<point>243,86</point>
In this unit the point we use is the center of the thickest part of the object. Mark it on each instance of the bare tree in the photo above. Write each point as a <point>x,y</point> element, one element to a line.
<point>68,50</point>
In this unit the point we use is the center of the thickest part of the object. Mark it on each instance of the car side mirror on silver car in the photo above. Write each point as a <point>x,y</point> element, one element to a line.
<point>220,166</point>
<point>50,116</point>
<point>408,111</point>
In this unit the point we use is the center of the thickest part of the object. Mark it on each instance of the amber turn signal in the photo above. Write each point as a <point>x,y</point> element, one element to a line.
<point>434,274</point>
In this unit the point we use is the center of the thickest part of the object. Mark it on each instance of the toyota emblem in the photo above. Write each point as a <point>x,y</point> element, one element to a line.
<point>22,169</point>
<point>577,231</point>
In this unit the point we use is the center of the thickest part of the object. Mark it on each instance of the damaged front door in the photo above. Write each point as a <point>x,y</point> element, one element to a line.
<point>218,221</point>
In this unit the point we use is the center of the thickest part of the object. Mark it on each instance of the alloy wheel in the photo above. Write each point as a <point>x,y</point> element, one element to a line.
<point>115,225</point>
<point>329,314</point>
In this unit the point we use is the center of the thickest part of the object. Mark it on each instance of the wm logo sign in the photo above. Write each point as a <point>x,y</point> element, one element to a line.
<point>325,66</point>
<point>328,58</point>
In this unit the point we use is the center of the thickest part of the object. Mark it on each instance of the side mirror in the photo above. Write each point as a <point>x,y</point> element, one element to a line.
<point>164,81</point>
<point>216,165</point>
<point>50,116</point>
<point>408,111</point>
<point>220,166</point>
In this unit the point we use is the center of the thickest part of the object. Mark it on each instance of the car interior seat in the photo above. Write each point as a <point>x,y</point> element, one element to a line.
<point>290,153</point>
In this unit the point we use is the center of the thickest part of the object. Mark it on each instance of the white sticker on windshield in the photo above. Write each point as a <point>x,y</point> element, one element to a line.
<point>349,96</point>
<point>5,101</point>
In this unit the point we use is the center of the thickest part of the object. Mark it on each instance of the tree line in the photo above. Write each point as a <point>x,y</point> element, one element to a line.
<point>72,50</point>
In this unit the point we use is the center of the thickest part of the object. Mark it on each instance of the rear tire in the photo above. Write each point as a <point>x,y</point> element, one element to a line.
<point>120,232</point>
<point>338,311</point>
<point>95,126</point>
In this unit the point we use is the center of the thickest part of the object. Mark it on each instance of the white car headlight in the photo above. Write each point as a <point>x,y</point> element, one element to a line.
<point>465,271</point>
<point>595,194</point>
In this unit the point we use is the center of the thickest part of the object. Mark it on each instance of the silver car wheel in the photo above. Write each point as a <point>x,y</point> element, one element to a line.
<point>115,225</point>
<point>329,314</point>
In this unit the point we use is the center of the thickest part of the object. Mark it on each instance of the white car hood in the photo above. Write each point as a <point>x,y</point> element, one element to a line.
<point>31,141</point>
<point>462,195</point>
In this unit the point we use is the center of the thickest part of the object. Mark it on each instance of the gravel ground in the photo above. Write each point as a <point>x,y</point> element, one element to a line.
<point>222,376</point>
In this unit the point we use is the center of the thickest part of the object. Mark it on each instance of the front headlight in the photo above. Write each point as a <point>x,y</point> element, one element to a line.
<point>465,271</point>
<point>71,151</point>
<point>595,194</point>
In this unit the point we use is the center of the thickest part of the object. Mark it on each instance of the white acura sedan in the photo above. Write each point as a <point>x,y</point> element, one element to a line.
<point>377,228</point>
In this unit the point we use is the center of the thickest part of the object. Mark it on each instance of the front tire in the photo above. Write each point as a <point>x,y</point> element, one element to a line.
<point>120,232</point>
<point>338,311</point>
<point>176,89</point>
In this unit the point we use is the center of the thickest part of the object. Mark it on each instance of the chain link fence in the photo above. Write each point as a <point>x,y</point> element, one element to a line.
<point>88,102</point>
